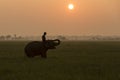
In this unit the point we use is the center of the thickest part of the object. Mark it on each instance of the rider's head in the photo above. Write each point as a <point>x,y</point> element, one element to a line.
<point>45,33</point>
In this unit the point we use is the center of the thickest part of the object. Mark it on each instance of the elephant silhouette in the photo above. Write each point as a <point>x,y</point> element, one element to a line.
<point>36,48</point>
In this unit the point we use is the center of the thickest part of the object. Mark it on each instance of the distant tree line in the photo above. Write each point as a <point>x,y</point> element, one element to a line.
<point>62,38</point>
<point>10,37</point>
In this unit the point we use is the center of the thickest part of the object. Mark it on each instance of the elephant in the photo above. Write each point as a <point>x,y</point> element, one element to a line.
<point>36,48</point>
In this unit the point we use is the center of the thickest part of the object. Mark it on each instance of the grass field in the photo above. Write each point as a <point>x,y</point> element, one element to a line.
<point>80,60</point>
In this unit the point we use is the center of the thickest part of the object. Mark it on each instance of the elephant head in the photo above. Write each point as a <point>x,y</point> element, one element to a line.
<point>51,44</point>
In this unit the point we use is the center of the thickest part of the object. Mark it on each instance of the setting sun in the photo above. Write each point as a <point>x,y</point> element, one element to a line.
<point>71,6</point>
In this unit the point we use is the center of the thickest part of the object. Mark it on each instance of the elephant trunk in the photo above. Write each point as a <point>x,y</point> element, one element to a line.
<point>50,44</point>
<point>57,42</point>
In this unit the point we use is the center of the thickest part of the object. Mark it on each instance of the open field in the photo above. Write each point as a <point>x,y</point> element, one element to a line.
<point>80,60</point>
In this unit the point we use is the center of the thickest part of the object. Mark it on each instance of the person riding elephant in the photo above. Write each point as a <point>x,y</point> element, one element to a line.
<point>36,48</point>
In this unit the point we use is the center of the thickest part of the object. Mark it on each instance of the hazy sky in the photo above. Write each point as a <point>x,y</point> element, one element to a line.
<point>33,17</point>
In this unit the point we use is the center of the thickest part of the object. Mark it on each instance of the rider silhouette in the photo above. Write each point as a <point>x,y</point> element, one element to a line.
<point>44,37</point>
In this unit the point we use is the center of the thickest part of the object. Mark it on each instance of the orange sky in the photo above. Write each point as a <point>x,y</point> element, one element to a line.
<point>33,17</point>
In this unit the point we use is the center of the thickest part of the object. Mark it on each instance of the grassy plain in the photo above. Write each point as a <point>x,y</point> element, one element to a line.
<point>75,60</point>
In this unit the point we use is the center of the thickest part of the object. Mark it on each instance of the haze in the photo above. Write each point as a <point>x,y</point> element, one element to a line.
<point>33,17</point>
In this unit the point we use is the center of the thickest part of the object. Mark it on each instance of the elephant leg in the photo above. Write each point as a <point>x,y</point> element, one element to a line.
<point>44,55</point>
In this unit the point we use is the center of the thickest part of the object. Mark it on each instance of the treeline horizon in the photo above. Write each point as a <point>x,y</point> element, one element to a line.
<point>61,37</point>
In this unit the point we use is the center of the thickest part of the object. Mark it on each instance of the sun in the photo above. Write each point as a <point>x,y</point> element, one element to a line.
<point>70,6</point>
